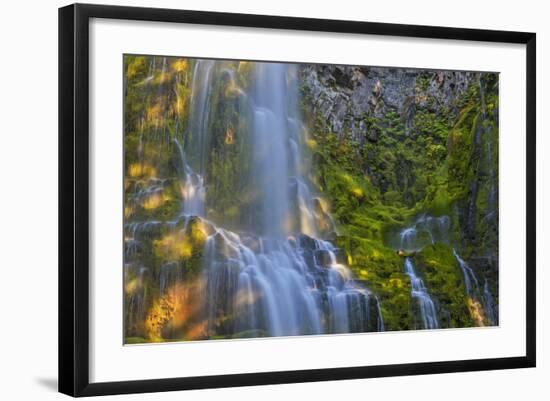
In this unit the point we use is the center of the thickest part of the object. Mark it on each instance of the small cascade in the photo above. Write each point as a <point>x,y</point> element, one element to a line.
<point>492,196</point>
<point>426,307</point>
<point>427,230</point>
<point>483,296</point>
<point>193,191</point>
<point>470,279</point>
<point>491,310</point>
<point>270,141</point>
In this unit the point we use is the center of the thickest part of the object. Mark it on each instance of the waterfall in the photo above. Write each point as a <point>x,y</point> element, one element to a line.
<point>281,280</point>
<point>472,286</point>
<point>470,279</point>
<point>426,230</point>
<point>270,139</point>
<point>193,192</point>
<point>429,230</point>
<point>426,307</point>
<point>283,287</point>
<point>277,277</point>
<point>491,310</point>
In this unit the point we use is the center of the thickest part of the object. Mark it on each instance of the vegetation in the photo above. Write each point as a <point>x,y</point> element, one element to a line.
<point>435,153</point>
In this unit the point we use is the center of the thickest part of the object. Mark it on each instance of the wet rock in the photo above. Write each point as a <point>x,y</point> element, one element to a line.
<point>220,249</point>
<point>307,254</point>
<point>188,223</point>
<point>253,243</point>
<point>341,256</point>
<point>372,135</point>
<point>306,242</point>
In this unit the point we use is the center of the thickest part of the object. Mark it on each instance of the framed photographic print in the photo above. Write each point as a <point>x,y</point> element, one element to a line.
<point>250,199</point>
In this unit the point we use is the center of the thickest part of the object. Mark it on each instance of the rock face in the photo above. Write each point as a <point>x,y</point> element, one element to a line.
<point>346,96</point>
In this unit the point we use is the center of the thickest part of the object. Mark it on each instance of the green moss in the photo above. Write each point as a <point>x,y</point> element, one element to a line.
<point>445,282</point>
<point>381,270</point>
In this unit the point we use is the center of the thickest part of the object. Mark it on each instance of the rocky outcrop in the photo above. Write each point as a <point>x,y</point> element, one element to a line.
<point>347,96</point>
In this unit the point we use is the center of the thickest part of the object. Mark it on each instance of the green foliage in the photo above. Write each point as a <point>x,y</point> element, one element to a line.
<point>442,275</point>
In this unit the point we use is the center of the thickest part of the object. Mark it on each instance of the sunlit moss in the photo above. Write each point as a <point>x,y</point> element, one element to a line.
<point>229,136</point>
<point>131,286</point>
<point>161,312</point>
<point>180,65</point>
<point>154,113</point>
<point>173,247</point>
<point>153,201</point>
<point>357,192</point>
<point>476,312</point>
<point>128,211</point>
<point>135,65</point>
<point>141,170</point>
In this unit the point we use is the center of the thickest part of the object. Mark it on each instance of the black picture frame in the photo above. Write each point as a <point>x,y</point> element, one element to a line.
<point>74,198</point>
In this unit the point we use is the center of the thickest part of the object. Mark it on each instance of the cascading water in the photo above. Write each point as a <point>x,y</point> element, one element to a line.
<point>491,310</point>
<point>279,279</point>
<point>192,187</point>
<point>473,290</point>
<point>426,307</point>
<point>412,239</point>
<point>284,287</point>
<point>425,231</point>
<point>428,230</point>
<point>470,279</point>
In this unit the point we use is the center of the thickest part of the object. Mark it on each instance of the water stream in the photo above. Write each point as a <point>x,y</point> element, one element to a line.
<point>429,230</point>
<point>426,307</point>
<point>425,231</point>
